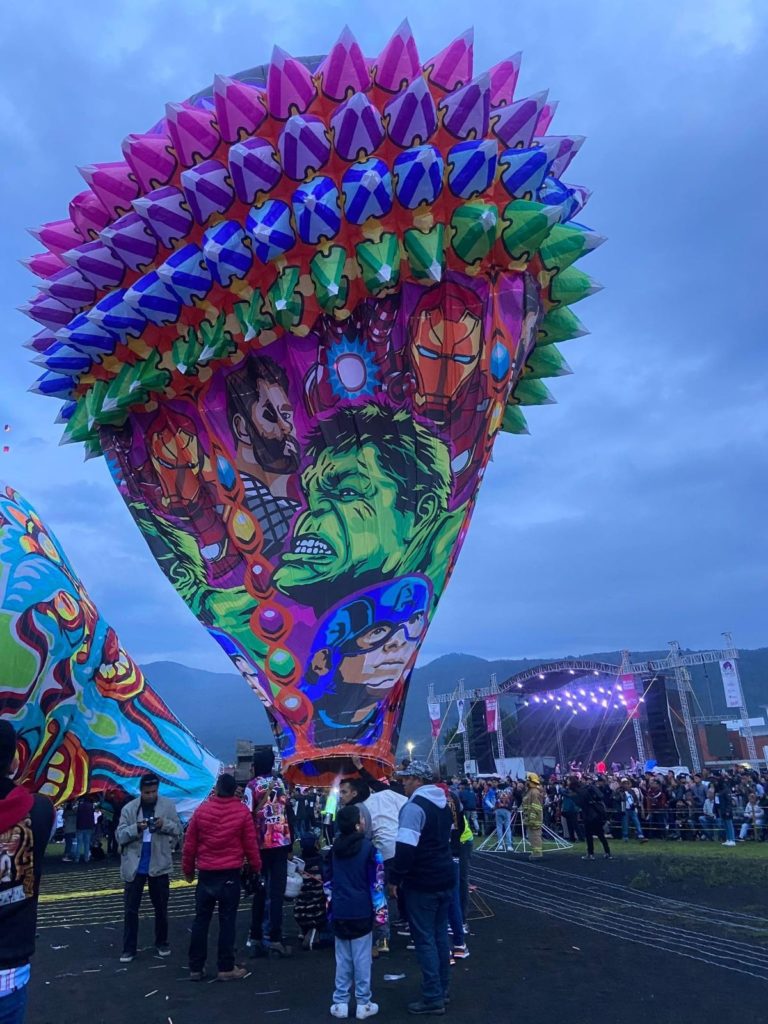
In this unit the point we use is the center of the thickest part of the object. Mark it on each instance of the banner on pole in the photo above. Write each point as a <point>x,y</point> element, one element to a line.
<point>460,708</point>
<point>434,717</point>
<point>630,694</point>
<point>492,714</point>
<point>731,684</point>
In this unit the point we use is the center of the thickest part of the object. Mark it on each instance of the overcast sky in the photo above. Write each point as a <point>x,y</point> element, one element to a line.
<point>635,512</point>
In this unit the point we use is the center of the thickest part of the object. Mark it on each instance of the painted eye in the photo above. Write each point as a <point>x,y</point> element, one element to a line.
<point>463,359</point>
<point>348,492</point>
<point>428,353</point>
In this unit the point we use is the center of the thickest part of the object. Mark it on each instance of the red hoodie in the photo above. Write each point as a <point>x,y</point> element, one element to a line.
<point>220,836</point>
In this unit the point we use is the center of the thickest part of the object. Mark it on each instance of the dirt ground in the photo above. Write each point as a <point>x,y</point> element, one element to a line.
<point>562,939</point>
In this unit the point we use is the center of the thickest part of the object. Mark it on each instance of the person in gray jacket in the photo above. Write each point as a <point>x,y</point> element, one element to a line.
<point>148,830</point>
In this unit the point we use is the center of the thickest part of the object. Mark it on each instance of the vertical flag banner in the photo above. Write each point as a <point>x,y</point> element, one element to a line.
<point>492,714</point>
<point>434,717</point>
<point>731,684</point>
<point>631,695</point>
<point>460,708</point>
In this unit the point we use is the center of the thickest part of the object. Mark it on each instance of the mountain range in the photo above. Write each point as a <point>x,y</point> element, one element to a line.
<point>219,708</point>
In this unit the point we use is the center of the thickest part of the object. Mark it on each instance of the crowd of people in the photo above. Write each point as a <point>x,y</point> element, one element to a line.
<point>728,806</point>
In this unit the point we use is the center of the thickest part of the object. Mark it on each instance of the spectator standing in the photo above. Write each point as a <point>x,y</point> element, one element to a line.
<point>70,832</point>
<point>146,834</point>
<point>424,866</point>
<point>356,879</point>
<point>724,803</point>
<point>267,799</point>
<point>221,836</point>
<point>468,798</point>
<point>26,823</point>
<point>84,823</point>
<point>629,804</point>
<point>708,816</point>
<point>570,811</point>
<point>383,811</point>
<point>594,813</point>
<point>503,814</point>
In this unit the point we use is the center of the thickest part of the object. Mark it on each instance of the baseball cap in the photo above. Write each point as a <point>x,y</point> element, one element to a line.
<point>416,770</point>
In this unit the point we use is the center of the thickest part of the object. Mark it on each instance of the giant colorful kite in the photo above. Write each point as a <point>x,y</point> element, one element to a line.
<point>86,718</point>
<point>294,318</point>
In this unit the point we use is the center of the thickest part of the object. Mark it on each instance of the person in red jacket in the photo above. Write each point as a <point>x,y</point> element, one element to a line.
<point>221,836</point>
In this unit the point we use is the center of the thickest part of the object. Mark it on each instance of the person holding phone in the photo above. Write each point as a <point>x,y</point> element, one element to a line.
<point>149,827</point>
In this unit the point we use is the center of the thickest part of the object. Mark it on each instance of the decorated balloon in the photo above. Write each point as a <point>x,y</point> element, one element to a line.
<point>86,718</point>
<point>294,319</point>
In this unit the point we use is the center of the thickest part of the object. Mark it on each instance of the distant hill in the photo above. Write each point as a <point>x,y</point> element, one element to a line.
<point>219,708</point>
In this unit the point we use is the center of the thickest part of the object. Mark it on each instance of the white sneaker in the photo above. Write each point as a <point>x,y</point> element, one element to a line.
<point>366,1010</point>
<point>340,1010</point>
<point>728,842</point>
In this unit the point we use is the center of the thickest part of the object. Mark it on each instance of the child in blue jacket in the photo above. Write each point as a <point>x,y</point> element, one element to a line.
<point>357,899</point>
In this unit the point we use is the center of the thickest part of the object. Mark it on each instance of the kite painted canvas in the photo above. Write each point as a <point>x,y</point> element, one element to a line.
<point>294,318</point>
<point>86,718</point>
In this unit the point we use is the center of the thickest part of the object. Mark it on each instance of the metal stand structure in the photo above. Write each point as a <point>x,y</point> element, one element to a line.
<point>508,842</point>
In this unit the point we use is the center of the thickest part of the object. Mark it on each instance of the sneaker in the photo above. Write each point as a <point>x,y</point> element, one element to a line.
<point>642,839</point>
<point>728,842</point>
<point>196,975</point>
<point>236,974</point>
<point>382,947</point>
<point>366,1010</point>
<point>607,856</point>
<point>466,929</point>
<point>164,950</point>
<point>588,856</point>
<point>127,958</point>
<point>67,860</point>
<point>420,1007</point>
<point>256,948</point>
<point>460,952</point>
<point>340,1011</point>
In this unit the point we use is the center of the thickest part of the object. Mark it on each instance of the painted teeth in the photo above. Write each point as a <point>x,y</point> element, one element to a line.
<point>311,546</point>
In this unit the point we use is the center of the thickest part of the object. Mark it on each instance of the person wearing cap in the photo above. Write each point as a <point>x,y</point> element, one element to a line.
<point>148,830</point>
<point>532,809</point>
<point>221,836</point>
<point>26,823</point>
<point>423,866</point>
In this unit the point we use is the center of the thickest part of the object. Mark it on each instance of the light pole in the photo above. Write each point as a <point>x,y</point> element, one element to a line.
<point>409,747</point>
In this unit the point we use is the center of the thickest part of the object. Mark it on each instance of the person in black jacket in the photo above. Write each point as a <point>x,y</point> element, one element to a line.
<point>594,814</point>
<point>26,823</point>
<point>352,880</point>
<point>423,865</point>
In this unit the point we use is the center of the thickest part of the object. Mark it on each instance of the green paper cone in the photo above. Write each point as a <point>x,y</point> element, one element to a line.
<point>565,245</point>
<point>572,286</point>
<point>546,362</point>
<point>532,392</point>
<point>527,225</point>
<point>559,325</point>
<point>253,317</point>
<point>426,254</point>
<point>284,300</point>
<point>217,341</point>
<point>514,421</point>
<point>331,285</point>
<point>474,230</point>
<point>379,263</point>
